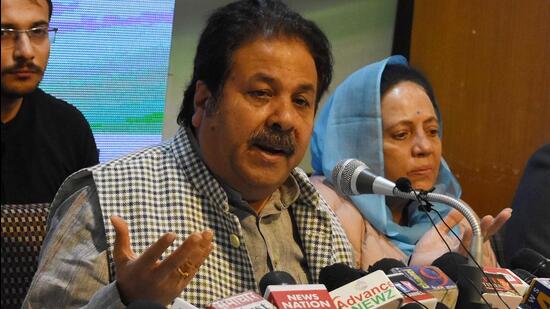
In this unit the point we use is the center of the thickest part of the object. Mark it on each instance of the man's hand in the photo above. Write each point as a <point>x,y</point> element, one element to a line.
<point>145,277</point>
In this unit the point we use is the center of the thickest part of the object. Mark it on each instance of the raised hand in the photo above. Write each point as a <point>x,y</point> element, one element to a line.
<point>431,246</point>
<point>490,225</point>
<point>145,277</point>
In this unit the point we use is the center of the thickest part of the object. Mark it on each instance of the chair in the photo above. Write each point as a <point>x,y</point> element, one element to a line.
<point>23,230</point>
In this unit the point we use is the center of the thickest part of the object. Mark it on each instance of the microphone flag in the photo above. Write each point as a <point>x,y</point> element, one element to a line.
<point>374,290</point>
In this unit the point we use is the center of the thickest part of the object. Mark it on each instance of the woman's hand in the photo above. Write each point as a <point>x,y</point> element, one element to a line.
<point>490,225</point>
<point>431,246</point>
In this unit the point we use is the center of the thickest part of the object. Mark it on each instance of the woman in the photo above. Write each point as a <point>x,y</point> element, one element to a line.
<point>386,116</point>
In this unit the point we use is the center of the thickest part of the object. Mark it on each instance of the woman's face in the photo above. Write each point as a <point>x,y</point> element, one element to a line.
<point>412,147</point>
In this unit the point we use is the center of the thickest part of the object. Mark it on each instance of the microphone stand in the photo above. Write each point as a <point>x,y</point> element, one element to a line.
<point>470,275</point>
<point>462,207</point>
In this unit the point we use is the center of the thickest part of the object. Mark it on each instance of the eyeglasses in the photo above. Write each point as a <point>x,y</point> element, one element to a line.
<point>36,35</point>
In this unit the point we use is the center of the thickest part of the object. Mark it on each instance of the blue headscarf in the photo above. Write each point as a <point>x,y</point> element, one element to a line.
<point>350,126</point>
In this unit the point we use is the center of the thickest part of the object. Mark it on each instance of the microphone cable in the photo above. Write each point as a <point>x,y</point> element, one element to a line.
<point>473,259</point>
<point>426,206</point>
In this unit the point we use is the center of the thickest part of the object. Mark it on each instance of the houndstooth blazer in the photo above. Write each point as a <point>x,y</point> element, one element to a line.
<point>168,188</point>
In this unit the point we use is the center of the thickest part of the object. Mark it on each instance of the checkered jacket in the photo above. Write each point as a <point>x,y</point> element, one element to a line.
<point>168,188</point>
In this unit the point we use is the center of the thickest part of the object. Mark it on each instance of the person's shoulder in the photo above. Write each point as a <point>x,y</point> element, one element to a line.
<point>149,158</point>
<point>58,108</point>
<point>541,157</point>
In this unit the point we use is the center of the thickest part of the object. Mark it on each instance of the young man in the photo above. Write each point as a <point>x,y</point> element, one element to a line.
<point>230,171</point>
<point>44,139</point>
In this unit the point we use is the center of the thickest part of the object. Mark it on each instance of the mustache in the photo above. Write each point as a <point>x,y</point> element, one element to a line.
<point>31,67</point>
<point>275,140</point>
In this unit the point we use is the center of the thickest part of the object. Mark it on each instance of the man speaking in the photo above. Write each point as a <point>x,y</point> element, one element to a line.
<point>116,230</point>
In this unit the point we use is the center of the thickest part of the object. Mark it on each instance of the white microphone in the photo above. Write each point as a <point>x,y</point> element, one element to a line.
<point>353,177</point>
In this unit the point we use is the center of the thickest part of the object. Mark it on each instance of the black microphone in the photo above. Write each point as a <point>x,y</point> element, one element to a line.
<point>524,275</point>
<point>338,275</point>
<point>353,177</point>
<point>386,265</point>
<point>449,262</point>
<point>412,306</point>
<point>403,184</point>
<point>275,278</point>
<point>532,261</point>
<point>467,278</point>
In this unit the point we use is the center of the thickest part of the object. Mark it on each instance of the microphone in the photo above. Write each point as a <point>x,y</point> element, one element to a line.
<point>386,265</point>
<point>466,276</point>
<point>295,295</point>
<point>414,295</point>
<point>509,286</point>
<point>507,296</point>
<point>449,262</point>
<point>275,278</point>
<point>512,277</point>
<point>403,184</point>
<point>248,300</point>
<point>524,275</point>
<point>538,296</point>
<point>374,290</point>
<point>340,274</point>
<point>353,177</point>
<point>432,280</point>
<point>532,261</point>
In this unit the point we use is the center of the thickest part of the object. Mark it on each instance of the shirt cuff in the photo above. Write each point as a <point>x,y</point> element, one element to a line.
<point>107,297</point>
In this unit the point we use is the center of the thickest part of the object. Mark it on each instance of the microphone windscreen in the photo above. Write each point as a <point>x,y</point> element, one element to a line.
<point>412,306</point>
<point>275,278</point>
<point>532,261</point>
<point>342,174</point>
<point>403,184</point>
<point>524,275</point>
<point>448,264</point>
<point>338,275</point>
<point>385,265</point>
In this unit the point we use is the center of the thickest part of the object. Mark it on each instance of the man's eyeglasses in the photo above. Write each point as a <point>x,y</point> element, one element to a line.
<point>36,35</point>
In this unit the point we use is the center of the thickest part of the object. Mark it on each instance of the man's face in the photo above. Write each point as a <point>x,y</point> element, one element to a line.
<point>24,63</point>
<point>263,122</point>
<point>412,147</point>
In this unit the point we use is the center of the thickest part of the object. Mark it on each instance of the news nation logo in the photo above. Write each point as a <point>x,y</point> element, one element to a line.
<point>299,296</point>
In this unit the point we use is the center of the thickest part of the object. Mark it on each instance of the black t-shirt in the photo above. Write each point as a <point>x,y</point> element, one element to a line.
<point>47,141</point>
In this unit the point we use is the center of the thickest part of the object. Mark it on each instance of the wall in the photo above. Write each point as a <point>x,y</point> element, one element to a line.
<point>488,62</point>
